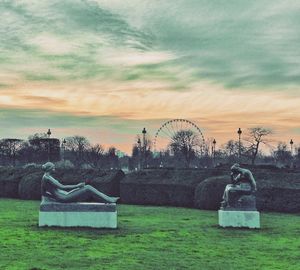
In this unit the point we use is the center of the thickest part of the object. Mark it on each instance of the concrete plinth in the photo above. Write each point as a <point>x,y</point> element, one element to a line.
<point>95,215</point>
<point>247,219</point>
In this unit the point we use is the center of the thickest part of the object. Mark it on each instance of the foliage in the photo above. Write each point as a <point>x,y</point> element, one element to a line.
<point>208,194</point>
<point>30,186</point>
<point>41,148</point>
<point>272,194</point>
<point>147,238</point>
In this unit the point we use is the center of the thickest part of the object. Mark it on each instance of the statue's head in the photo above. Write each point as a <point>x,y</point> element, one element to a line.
<point>48,167</point>
<point>235,168</point>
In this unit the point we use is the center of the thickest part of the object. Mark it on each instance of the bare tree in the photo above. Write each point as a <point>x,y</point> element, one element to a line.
<point>282,155</point>
<point>184,144</point>
<point>42,148</point>
<point>95,155</point>
<point>256,137</point>
<point>10,149</point>
<point>112,158</point>
<point>76,148</point>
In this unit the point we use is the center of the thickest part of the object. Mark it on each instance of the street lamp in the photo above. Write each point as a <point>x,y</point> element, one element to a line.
<point>239,133</point>
<point>291,143</point>
<point>214,143</point>
<point>144,146</point>
<point>139,153</point>
<point>63,149</point>
<point>214,150</point>
<point>49,134</point>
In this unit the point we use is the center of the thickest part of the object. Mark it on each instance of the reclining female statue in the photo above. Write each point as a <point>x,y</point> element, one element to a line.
<point>243,183</point>
<point>81,192</point>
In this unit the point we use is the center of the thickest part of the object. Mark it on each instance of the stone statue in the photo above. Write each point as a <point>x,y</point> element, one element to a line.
<point>240,194</point>
<point>53,189</point>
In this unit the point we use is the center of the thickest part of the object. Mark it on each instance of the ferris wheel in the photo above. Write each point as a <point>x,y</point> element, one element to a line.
<point>170,130</point>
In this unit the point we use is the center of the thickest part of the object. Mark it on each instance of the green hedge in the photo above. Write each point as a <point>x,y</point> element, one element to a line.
<point>162,186</point>
<point>157,194</point>
<point>279,199</point>
<point>208,194</point>
<point>30,186</point>
<point>26,183</point>
<point>269,197</point>
<point>9,180</point>
<point>277,190</point>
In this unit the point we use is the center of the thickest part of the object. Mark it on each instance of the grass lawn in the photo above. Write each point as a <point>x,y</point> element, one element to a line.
<point>147,238</point>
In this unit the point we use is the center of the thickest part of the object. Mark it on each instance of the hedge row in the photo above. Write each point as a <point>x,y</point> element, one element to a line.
<point>26,183</point>
<point>277,191</point>
<point>157,194</point>
<point>203,189</point>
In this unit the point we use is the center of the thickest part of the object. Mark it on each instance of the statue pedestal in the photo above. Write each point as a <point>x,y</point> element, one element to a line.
<point>239,218</point>
<point>95,215</point>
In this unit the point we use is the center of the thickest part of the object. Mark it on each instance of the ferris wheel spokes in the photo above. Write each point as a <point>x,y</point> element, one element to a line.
<point>171,129</point>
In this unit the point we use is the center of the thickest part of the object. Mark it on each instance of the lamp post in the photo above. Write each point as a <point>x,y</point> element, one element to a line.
<point>144,147</point>
<point>139,153</point>
<point>49,134</point>
<point>214,150</point>
<point>214,143</point>
<point>291,143</point>
<point>63,150</point>
<point>239,133</point>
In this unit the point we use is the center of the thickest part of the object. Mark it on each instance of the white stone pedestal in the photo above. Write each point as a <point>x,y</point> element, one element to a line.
<point>95,215</point>
<point>247,219</point>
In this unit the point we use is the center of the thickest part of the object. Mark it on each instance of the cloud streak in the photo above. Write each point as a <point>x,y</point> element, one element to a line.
<point>232,63</point>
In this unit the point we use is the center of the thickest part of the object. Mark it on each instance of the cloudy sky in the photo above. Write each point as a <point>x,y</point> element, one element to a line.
<point>107,68</point>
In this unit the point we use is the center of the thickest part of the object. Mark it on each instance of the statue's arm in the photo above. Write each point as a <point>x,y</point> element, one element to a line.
<point>57,184</point>
<point>252,181</point>
<point>236,179</point>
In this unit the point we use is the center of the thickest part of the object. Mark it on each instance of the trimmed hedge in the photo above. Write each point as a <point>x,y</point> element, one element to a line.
<point>209,193</point>
<point>162,186</point>
<point>157,194</point>
<point>25,183</point>
<point>269,197</point>
<point>30,186</point>
<point>278,190</point>
<point>9,181</point>
<point>279,199</point>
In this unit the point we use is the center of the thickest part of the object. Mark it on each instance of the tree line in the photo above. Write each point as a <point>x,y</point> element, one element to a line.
<point>182,152</point>
<point>71,151</point>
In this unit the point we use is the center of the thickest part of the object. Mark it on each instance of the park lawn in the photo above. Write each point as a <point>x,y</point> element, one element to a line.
<point>147,238</point>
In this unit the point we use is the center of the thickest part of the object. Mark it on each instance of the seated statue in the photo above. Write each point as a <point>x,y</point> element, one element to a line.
<point>240,194</point>
<point>53,189</point>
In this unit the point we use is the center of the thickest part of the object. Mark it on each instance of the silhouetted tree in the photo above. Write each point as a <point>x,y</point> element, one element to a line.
<point>256,137</point>
<point>41,148</point>
<point>184,144</point>
<point>10,150</point>
<point>95,156</point>
<point>112,158</point>
<point>282,155</point>
<point>76,148</point>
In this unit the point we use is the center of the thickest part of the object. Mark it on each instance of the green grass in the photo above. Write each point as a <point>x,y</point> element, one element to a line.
<point>147,238</point>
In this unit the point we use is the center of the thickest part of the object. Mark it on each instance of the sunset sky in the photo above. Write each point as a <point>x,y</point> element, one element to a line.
<point>105,69</point>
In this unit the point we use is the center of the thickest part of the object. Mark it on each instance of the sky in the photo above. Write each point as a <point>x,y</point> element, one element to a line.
<point>105,69</point>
